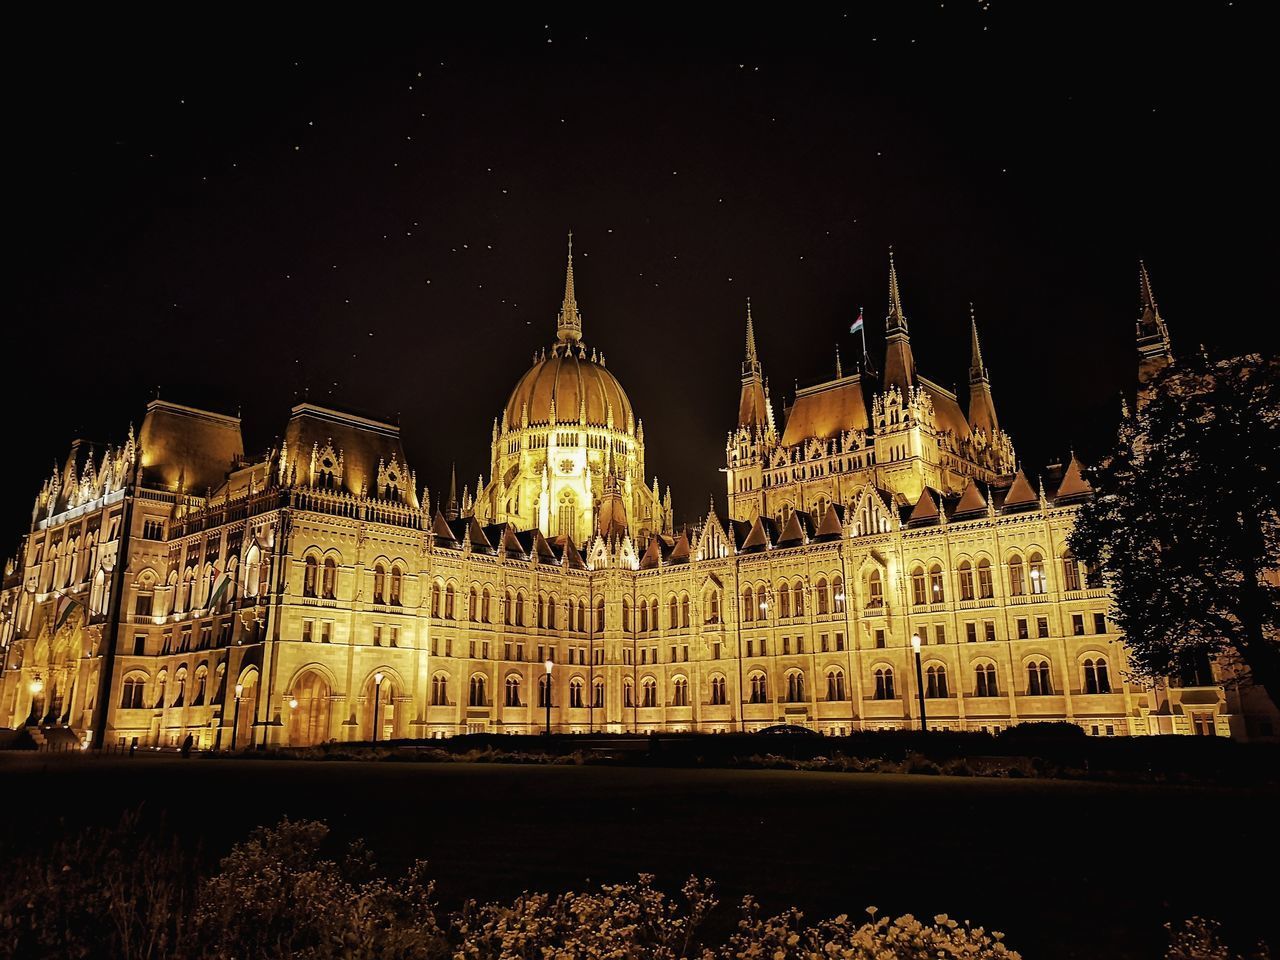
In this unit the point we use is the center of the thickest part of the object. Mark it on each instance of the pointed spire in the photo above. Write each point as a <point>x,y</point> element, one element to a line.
<point>839,370</point>
<point>977,371</point>
<point>451,508</point>
<point>1150,312</point>
<point>569,321</point>
<point>1155,351</point>
<point>899,363</point>
<point>896,318</point>
<point>751,365</point>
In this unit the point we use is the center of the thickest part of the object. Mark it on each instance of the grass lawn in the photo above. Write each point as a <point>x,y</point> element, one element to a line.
<point>1066,869</point>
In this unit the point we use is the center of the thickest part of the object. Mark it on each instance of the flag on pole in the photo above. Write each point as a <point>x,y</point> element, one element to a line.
<point>221,582</point>
<point>857,324</point>
<point>65,605</point>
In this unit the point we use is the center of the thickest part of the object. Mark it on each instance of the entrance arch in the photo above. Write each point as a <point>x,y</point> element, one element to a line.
<point>309,721</point>
<point>387,719</point>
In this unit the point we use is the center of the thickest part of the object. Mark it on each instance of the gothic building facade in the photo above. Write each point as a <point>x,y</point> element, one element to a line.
<point>171,585</point>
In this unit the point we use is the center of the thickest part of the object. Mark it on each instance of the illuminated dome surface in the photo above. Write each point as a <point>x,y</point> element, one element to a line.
<point>576,384</point>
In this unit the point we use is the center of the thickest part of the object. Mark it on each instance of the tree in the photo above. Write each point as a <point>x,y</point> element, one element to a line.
<point>1184,522</point>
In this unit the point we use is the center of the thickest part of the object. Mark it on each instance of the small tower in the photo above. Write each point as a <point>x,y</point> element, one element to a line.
<point>982,408</point>
<point>754,411</point>
<point>1154,349</point>
<point>569,320</point>
<point>899,363</point>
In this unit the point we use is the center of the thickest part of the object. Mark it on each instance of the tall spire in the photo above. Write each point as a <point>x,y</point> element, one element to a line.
<point>753,403</point>
<point>899,363</point>
<point>451,508</point>
<point>982,408</point>
<point>569,321</point>
<point>1155,351</point>
<point>1150,312</point>
<point>752,363</point>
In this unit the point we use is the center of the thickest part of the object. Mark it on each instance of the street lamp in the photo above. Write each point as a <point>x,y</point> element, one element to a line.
<point>36,687</point>
<point>377,700</point>
<point>915,646</point>
<point>235,722</point>
<point>547,698</point>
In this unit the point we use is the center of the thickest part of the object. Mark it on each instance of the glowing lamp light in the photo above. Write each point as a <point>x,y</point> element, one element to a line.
<point>37,685</point>
<point>293,703</point>
<point>239,690</point>
<point>549,663</point>
<point>915,642</point>
<point>378,677</point>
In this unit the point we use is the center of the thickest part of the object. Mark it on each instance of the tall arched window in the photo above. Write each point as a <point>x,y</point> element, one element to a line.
<point>797,598</point>
<point>985,680</point>
<point>544,690</point>
<point>837,594</point>
<point>439,690</point>
<point>759,688</point>
<point>508,608</point>
<point>628,693</point>
<point>935,681</point>
<point>450,597</point>
<point>875,590</point>
<point>600,615</point>
<point>713,607</point>
<point>835,684</point>
<point>567,516</point>
<point>597,693</point>
<point>397,582</point>
<point>966,580</point>
<point>435,599</point>
<point>330,585</point>
<point>477,697</point>
<point>1017,581</point>
<point>985,589</point>
<point>674,618</point>
<point>575,692</point>
<point>1097,679</point>
<point>821,591</point>
<point>552,604</point>
<point>131,693</point>
<point>1035,574</point>
<point>650,690</point>
<point>626,615</point>
<point>520,610</point>
<point>485,602</point>
<point>784,600</point>
<point>919,592</point>
<point>748,603</point>
<point>1039,680</point>
<point>795,687</point>
<point>309,577</point>
<point>379,584</point>
<point>936,592</point>
<point>884,683</point>
<point>472,605</point>
<point>718,691</point>
<point>1070,572</point>
<point>680,692</point>
<point>684,610</point>
<point>513,692</point>
<point>644,617</point>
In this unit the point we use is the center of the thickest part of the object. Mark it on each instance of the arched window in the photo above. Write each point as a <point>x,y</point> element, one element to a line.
<point>644,617</point>
<point>837,594</point>
<point>552,604</point>
<point>684,610</point>
<point>985,590</point>
<point>795,687</point>
<point>835,684</point>
<point>626,615</point>
<point>544,690</point>
<point>966,580</point>
<point>540,607</point>
<point>985,681</point>
<point>628,693</point>
<point>1097,679</point>
<point>673,612</point>
<point>597,693</point>
<point>575,692</point>
<point>713,607</point>
<point>582,616</point>
<point>718,691</point>
<point>520,610</point>
<point>759,688</point>
<point>567,516</point>
<point>472,605</point>
<point>875,590</point>
<point>439,690</point>
<point>1017,581</point>
<point>680,692</point>
<point>330,585</point>
<point>131,693</point>
<point>1039,680</point>
<point>379,584</point>
<point>435,600</point>
<point>1035,573</point>
<point>508,608</point>
<point>161,682</point>
<point>653,612</point>
<point>650,690</point>
<point>884,684</point>
<point>450,596</point>
<point>397,581</point>
<point>600,615</point>
<point>936,592</point>
<point>784,600</point>
<point>935,681</point>
<point>919,592</point>
<point>486,598</point>
<point>821,591</point>
<point>748,605</point>
<point>797,598</point>
<point>1070,572</point>
<point>477,697</point>
<point>309,577</point>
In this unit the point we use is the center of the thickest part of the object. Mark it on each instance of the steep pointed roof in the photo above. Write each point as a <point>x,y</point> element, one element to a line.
<point>1074,483</point>
<point>1020,494</point>
<point>831,526</point>
<point>925,511</point>
<point>972,500</point>
<point>442,531</point>
<point>799,528</point>
<point>569,320</point>
<point>652,557</point>
<point>680,549</point>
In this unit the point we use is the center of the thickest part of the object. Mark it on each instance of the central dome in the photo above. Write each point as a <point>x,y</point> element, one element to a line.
<point>582,389</point>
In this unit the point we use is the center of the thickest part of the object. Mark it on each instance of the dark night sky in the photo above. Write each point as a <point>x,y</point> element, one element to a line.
<point>235,210</point>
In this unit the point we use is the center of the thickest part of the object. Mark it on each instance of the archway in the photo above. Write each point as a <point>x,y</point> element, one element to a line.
<point>386,696</point>
<point>244,732</point>
<point>309,720</point>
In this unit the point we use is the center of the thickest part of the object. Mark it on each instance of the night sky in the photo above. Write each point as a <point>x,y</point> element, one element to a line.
<point>237,210</point>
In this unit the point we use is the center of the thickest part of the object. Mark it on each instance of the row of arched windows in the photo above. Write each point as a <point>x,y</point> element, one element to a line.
<point>790,599</point>
<point>320,581</point>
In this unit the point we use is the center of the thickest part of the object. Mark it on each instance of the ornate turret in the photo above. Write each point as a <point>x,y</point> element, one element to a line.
<point>982,408</point>
<point>1154,349</point>
<point>569,321</point>
<point>899,364</point>
<point>611,520</point>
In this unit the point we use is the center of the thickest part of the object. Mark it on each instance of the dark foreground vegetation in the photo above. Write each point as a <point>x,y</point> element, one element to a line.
<point>285,892</point>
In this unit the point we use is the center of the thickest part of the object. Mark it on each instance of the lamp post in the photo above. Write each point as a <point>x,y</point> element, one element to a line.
<point>915,646</point>
<point>36,687</point>
<point>547,698</point>
<point>377,700</point>
<point>235,721</point>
